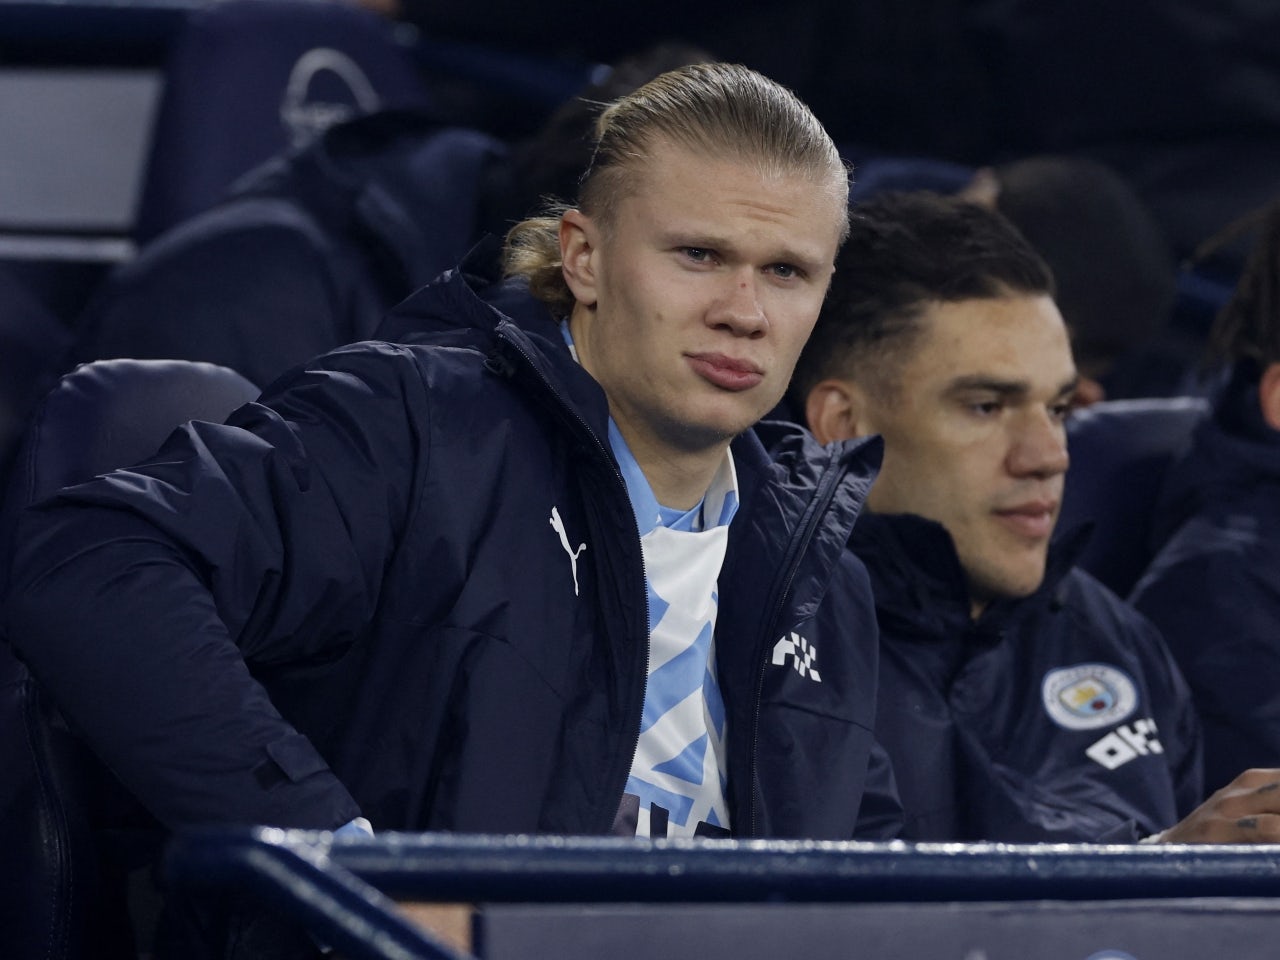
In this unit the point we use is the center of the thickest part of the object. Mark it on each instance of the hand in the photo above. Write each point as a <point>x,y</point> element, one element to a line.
<point>1247,810</point>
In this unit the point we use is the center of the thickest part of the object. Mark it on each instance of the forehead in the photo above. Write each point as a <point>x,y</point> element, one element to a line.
<point>1016,338</point>
<point>686,191</point>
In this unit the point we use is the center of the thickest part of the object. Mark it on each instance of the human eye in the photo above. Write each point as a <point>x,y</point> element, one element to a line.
<point>1061,411</point>
<point>785,271</point>
<point>985,407</point>
<point>698,254</point>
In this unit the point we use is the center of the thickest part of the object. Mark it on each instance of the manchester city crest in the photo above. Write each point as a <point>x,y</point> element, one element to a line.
<point>1088,695</point>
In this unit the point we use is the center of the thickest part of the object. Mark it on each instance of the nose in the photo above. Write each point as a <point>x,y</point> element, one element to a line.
<point>738,307</point>
<point>1039,448</point>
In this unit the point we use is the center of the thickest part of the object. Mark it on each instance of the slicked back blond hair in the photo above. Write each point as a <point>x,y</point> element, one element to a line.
<point>720,110</point>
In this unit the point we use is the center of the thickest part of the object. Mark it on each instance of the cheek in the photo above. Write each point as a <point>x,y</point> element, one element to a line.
<point>941,484</point>
<point>793,314</point>
<point>905,483</point>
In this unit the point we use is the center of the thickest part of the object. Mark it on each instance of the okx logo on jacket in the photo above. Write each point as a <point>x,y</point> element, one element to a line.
<point>801,654</point>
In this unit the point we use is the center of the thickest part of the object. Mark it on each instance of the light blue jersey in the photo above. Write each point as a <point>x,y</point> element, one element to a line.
<point>678,772</point>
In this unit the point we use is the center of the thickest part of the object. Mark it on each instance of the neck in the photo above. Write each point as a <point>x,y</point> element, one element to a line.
<point>678,475</point>
<point>678,479</point>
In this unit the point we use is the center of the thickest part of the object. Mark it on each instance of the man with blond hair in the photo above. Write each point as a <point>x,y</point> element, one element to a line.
<point>532,572</point>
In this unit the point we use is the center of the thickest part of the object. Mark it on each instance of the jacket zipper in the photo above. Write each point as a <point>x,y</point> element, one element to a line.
<point>606,456</point>
<point>796,549</point>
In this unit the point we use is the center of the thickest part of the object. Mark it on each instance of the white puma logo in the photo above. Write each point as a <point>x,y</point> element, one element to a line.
<point>558,525</point>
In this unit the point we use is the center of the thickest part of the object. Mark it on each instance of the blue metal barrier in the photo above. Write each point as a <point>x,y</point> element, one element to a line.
<point>585,888</point>
<point>293,870</point>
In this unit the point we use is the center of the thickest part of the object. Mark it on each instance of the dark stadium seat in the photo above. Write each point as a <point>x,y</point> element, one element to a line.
<point>69,835</point>
<point>1120,451</point>
<point>34,344</point>
<point>875,173</point>
<point>246,79</point>
<point>305,255</point>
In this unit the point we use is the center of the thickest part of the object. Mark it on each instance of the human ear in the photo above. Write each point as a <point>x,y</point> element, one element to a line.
<point>983,189</point>
<point>1088,392</point>
<point>1269,395</point>
<point>578,233</point>
<point>834,410</point>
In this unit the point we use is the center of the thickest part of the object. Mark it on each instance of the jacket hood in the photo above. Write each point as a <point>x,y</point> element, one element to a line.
<point>468,302</point>
<point>473,306</point>
<point>807,481</point>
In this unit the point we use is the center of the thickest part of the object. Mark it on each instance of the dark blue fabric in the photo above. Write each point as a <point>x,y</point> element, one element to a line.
<point>245,79</point>
<point>878,173</point>
<point>364,556</point>
<point>68,835</point>
<point>1214,587</point>
<point>34,345</point>
<point>977,754</point>
<point>308,253</point>
<point>107,414</point>
<point>1121,451</point>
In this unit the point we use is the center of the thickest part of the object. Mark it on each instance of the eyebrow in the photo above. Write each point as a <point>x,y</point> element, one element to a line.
<point>1004,388</point>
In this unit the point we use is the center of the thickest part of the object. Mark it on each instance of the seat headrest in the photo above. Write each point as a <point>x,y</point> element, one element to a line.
<point>112,413</point>
<point>1120,452</point>
<point>247,79</point>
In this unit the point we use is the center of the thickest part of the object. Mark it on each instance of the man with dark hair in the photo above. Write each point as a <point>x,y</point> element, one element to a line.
<point>532,572</point>
<point>1112,267</point>
<point>1020,700</point>
<point>1214,587</point>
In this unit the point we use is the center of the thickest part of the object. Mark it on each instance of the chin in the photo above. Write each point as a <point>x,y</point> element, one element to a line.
<point>1022,586</point>
<point>1008,584</point>
<point>697,436</point>
<point>698,433</point>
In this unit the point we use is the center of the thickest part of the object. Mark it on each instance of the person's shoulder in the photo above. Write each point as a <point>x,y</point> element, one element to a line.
<point>1096,607</point>
<point>380,367</point>
<point>1116,629</point>
<point>801,462</point>
<point>1218,543</point>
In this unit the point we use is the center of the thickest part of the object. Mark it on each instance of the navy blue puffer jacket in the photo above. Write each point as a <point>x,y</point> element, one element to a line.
<point>350,600</point>
<point>1057,717</point>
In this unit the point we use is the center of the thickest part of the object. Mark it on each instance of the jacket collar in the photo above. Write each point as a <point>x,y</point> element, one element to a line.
<point>920,587</point>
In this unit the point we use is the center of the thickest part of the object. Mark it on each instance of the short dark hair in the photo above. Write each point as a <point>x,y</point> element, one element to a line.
<point>1247,329</point>
<point>905,251</point>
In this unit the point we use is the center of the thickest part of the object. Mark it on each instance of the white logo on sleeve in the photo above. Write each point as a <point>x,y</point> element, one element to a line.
<point>1126,742</point>
<point>558,525</point>
<point>802,655</point>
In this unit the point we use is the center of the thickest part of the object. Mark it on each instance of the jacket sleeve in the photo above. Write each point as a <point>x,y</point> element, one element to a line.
<point>1180,732</point>
<point>880,816</point>
<point>1217,611</point>
<point>144,599</point>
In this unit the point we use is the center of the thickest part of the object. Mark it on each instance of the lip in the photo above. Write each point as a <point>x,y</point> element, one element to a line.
<point>1033,520</point>
<point>727,373</point>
